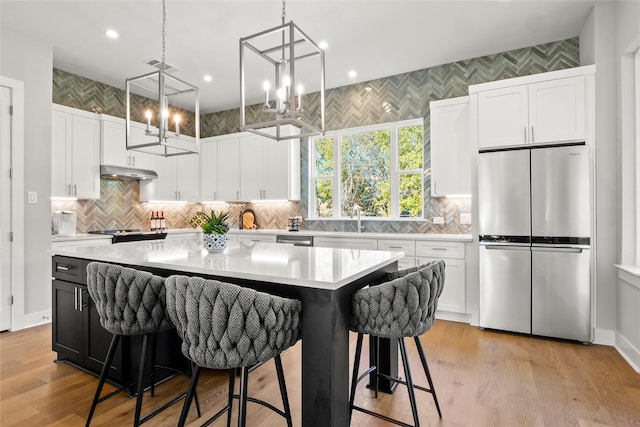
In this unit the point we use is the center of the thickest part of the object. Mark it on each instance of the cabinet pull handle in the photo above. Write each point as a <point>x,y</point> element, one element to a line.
<point>395,247</point>
<point>237,195</point>
<point>75,190</point>
<point>439,249</point>
<point>69,190</point>
<point>75,298</point>
<point>532,137</point>
<point>61,267</point>
<point>215,195</point>
<point>81,303</point>
<point>133,161</point>
<point>525,133</point>
<point>435,188</point>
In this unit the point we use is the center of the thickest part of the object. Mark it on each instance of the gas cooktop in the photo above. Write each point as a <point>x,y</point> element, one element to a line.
<point>132,235</point>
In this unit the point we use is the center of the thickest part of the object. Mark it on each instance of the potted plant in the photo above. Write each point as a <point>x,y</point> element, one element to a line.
<point>214,227</point>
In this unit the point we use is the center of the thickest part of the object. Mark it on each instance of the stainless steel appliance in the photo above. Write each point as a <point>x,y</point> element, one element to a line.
<point>295,240</point>
<point>535,235</point>
<point>64,223</point>
<point>120,236</point>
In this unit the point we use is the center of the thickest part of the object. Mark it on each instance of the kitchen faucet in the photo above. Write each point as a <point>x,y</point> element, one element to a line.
<point>357,210</point>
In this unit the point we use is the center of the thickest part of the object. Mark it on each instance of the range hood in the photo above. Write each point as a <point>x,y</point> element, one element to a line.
<point>121,172</point>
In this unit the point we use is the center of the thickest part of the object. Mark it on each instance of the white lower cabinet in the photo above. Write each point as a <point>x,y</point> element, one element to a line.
<point>453,296</point>
<point>406,246</point>
<point>345,243</point>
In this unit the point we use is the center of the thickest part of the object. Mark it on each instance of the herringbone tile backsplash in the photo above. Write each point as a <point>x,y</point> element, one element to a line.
<point>400,97</point>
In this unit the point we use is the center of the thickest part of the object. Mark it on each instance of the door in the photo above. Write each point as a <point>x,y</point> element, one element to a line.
<point>67,327</point>
<point>505,288</point>
<point>503,193</point>
<point>85,156</point>
<point>561,293</point>
<point>503,117</point>
<point>61,137</point>
<point>188,177</point>
<point>252,167</point>
<point>557,110</point>
<point>114,148</point>
<point>5,209</point>
<point>277,169</point>
<point>560,192</point>
<point>229,169</point>
<point>208,170</point>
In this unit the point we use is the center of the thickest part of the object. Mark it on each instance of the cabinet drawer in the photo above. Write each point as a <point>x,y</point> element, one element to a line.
<point>257,238</point>
<point>345,243</point>
<point>440,249</point>
<point>70,269</point>
<point>406,246</point>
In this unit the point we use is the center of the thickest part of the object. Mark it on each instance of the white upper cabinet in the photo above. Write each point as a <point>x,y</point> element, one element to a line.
<point>503,117</point>
<point>114,146</point>
<point>557,111</point>
<point>270,169</point>
<point>244,166</point>
<point>75,166</point>
<point>547,108</point>
<point>450,147</point>
<point>178,179</point>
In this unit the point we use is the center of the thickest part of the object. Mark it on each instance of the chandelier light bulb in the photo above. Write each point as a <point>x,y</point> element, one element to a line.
<point>148,116</point>
<point>266,86</point>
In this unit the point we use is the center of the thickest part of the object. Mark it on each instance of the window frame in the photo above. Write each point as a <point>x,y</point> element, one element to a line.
<point>395,172</point>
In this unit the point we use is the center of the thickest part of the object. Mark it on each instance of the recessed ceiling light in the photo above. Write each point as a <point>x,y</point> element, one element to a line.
<point>207,78</point>
<point>323,45</point>
<point>352,74</point>
<point>112,34</point>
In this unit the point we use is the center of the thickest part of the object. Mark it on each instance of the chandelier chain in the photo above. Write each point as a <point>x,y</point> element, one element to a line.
<point>284,12</point>
<point>164,31</point>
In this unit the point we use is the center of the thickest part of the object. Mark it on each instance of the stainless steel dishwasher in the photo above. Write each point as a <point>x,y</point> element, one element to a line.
<point>295,240</point>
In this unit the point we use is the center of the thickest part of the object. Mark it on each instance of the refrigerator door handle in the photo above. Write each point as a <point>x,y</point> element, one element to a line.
<point>556,249</point>
<point>507,247</point>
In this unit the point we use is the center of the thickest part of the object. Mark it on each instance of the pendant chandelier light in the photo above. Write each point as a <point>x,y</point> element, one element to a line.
<point>168,105</point>
<point>286,62</point>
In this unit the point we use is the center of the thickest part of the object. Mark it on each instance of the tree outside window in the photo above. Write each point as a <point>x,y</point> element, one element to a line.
<point>380,170</point>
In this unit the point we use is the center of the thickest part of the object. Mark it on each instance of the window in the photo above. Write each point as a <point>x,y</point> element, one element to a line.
<point>378,168</point>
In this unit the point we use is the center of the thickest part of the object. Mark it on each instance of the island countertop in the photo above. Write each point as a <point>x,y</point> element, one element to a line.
<point>322,268</point>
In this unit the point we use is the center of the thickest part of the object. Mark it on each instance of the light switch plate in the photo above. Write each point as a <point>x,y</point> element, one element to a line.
<point>32,197</point>
<point>438,220</point>
<point>465,218</point>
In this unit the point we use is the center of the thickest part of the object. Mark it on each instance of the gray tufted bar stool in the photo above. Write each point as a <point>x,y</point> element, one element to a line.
<point>225,326</point>
<point>130,303</point>
<point>403,306</point>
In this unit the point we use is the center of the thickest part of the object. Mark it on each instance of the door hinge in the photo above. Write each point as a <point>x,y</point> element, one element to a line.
<point>11,110</point>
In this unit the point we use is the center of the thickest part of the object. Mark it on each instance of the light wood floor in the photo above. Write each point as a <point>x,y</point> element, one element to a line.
<point>483,378</point>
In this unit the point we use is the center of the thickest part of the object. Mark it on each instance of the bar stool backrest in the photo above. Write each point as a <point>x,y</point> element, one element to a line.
<point>402,307</point>
<point>128,301</point>
<point>226,326</point>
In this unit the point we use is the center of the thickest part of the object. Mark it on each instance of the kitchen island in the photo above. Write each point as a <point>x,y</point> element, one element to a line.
<point>322,278</point>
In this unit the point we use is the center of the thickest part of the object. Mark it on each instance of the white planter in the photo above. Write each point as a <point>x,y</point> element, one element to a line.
<point>214,242</point>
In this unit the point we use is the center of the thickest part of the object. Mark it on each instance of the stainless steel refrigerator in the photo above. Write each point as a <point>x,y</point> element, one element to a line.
<point>535,236</point>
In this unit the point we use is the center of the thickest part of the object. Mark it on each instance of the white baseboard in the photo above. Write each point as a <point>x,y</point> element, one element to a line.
<point>454,317</point>
<point>34,319</point>
<point>628,351</point>
<point>604,337</point>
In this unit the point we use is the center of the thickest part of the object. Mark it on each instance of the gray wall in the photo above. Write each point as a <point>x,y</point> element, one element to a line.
<point>30,61</point>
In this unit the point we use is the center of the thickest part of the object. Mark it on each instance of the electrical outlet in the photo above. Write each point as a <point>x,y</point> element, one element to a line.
<point>438,220</point>
<point>465,218</point>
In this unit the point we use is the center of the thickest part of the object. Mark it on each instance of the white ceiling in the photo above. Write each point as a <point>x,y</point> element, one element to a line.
<point>375,38</point>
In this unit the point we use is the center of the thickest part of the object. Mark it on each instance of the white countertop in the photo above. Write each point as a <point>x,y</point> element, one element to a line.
<point>324,268</point>
<point>363,235</point>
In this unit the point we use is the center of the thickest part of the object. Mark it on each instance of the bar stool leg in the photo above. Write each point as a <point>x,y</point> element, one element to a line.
<point>354,375</point>
<point>195,375</point>
<point>103,375</point>
<point>410,389</point>
<point>423,359</point>
<point>242,410</point>
<point>283,390</point>
<point>143,357</point>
